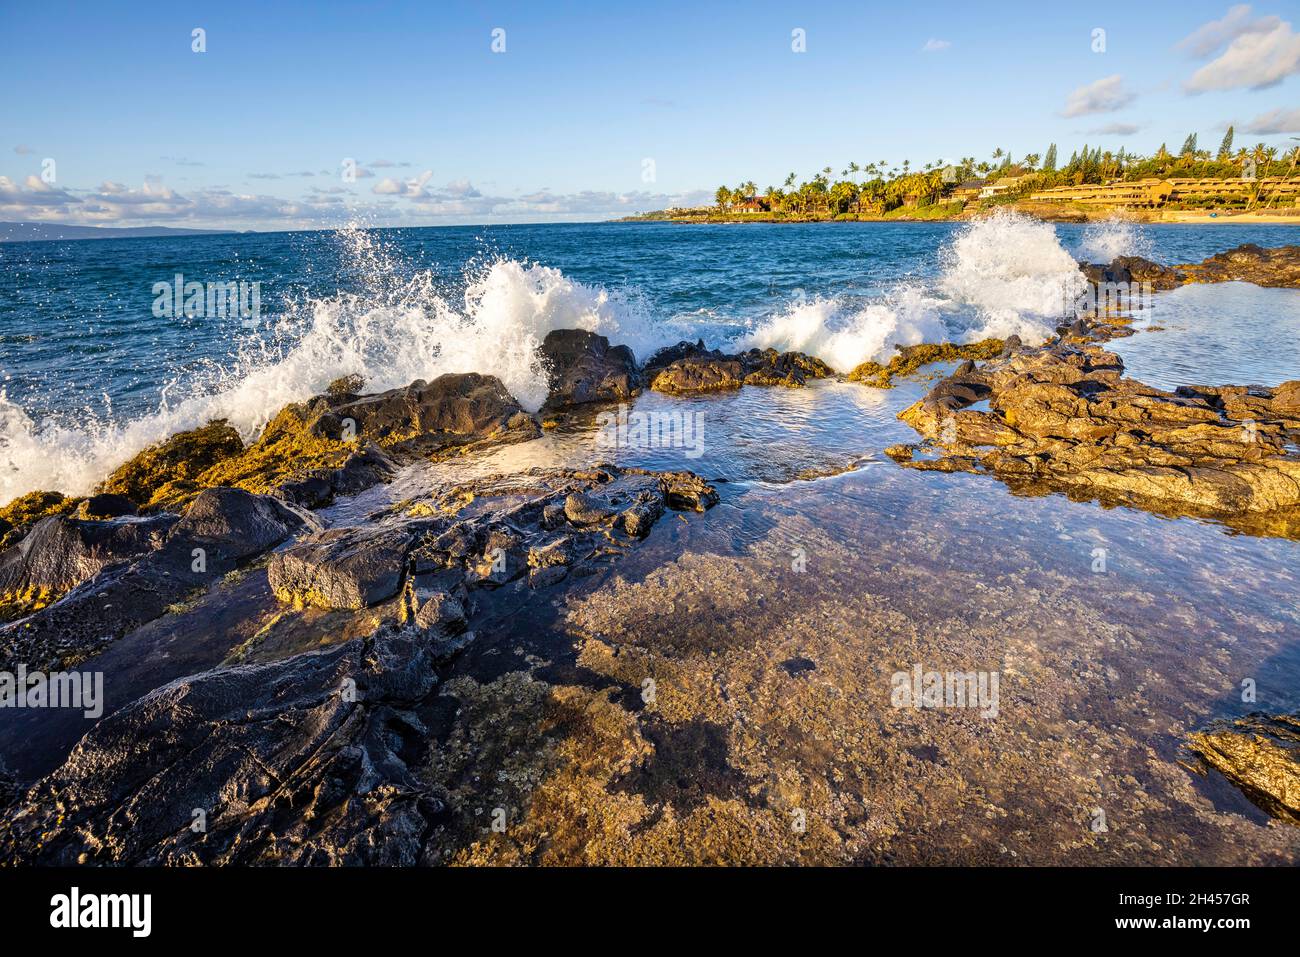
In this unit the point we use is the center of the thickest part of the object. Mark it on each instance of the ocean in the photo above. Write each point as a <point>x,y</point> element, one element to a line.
<point>90,374</point>
<point>776,624</point>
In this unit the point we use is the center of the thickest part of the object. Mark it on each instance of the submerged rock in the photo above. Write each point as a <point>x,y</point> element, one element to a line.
<point>1260,754</point>
<point>484,533</point>
<point>1064,417</point>
<point>583,367</point>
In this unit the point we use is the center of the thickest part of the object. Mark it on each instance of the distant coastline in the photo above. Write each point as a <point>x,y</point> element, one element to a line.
<point>38,232</point>
<point>1053,213</point>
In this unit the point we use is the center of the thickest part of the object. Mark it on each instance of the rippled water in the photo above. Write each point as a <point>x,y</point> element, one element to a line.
<point>1231,333</point>
<point>1116,632</point>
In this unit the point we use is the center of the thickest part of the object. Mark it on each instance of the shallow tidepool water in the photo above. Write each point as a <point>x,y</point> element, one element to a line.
<point>724,691</point>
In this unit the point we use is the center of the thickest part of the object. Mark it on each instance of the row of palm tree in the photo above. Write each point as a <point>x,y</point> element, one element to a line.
<point>878,187</point>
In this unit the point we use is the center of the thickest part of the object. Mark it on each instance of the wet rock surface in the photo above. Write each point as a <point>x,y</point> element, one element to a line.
<point>1260,754</point>
<point>221,530</point>
<point>334,444</point>
<point>689,368</point>
<point>583,368</point>
<point>323,757</point>
<point>1064,418</point>
<point>1277,267</point>
<point>61,552</point>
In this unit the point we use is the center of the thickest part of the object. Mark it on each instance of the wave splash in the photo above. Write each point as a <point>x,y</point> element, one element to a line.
<point>403,325</point>
<point>1002,275</point>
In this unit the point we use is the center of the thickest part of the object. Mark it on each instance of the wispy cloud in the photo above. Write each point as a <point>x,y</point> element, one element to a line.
<point>1104,96</point>
<point>1210,36</point>
<point>23,150</point>
<point>934,46</point>
<point>1273,122</point>
<point>1260,52</point>
<point>1116,129</point>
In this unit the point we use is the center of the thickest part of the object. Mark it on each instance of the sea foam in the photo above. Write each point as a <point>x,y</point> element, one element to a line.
<point>1002,275</point>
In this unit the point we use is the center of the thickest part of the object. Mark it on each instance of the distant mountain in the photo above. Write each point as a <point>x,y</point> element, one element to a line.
<point>31,232</point>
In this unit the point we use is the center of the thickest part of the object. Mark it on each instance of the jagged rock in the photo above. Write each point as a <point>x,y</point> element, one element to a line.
<point>1065,417</point>
<point>910,358</point>
<point>365,566</point>
<point>583,368</point>
<point>342,567</point>
<point>361,470</point>
<point>182,457</point>
<point>586,510</point>
<point>1259,754</point>
<point>105,506</point>
<point>335,444</point>
<point>303,761</point>
<point>1278,267</point>
<point>222,529</point>
<point>18,517</point>
<point>322,757</point>
<point>61,552</point>
<point>688,368</point>
<point>423,416</point>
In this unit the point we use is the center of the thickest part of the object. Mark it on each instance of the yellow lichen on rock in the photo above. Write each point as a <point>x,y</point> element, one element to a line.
<point>910,358</point>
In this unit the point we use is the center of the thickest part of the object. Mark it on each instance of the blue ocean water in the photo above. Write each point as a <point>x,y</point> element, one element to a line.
<point>90,374</point>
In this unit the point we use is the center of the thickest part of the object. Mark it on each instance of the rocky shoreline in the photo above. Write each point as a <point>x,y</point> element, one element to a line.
<point>316,740</point>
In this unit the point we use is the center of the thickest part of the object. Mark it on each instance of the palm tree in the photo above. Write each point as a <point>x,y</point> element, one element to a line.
<point>723,196</point>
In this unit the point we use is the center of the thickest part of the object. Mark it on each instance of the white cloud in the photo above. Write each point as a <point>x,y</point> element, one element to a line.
<point>1104,96</point>
<point>415,202</point>
<point>1274,121</point>
<point>1116,129</point>
<point>1208,38</point>
<point>934,46</point>
<point>1260,54</point>
<point>411,188</point>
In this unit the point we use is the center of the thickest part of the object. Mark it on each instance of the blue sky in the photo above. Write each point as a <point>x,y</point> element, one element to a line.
<point>253,132</point>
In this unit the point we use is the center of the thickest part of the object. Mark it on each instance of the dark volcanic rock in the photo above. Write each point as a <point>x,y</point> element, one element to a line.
<point>222,529</point>
<point>60,552</point>
<point>361,470</point>
<point>424,416</point>
<point>1065,417</point>
<point>583,368</point>
<point>689,368</point>
<point>342,567</point>
<point>105,506</point>
<point>540,519</point>
<point>1279,267</point>
<point>324,757</point>
<point>1259,754</point>
<point>303,761</point>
